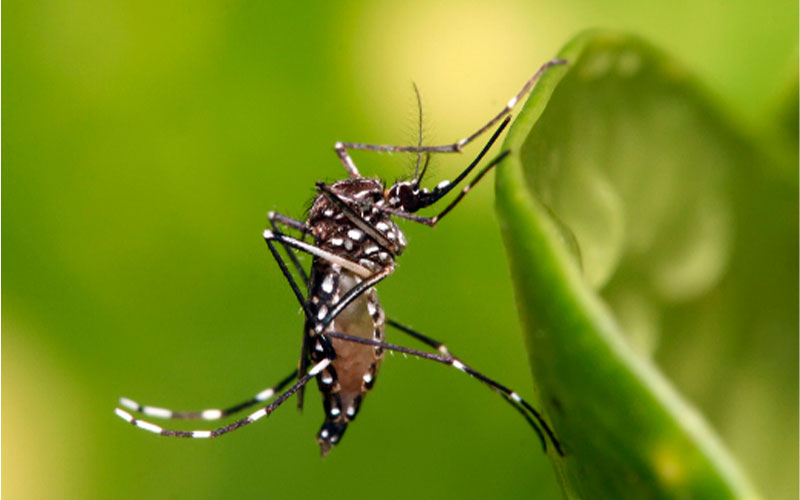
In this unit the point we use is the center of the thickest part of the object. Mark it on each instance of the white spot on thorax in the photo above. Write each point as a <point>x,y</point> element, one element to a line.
<point>327,284</point>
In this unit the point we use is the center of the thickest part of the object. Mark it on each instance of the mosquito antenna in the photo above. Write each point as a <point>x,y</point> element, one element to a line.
<point>417,176</point>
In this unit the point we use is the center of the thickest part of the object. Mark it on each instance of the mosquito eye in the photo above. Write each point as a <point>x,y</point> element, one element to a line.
<point>407,199</point>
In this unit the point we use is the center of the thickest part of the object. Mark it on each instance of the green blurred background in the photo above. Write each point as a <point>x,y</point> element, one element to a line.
<point>143,146</point>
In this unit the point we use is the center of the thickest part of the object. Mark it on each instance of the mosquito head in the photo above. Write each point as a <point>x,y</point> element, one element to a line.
<point>409,197</point>
<point>403,196</point>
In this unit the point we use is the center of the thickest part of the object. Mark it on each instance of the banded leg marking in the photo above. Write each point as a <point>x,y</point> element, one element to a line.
<point>459,365</point>
<point>211,413</point>
<point>263,412</point>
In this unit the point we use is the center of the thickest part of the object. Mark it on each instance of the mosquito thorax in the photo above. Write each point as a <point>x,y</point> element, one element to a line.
<point>365,233</point>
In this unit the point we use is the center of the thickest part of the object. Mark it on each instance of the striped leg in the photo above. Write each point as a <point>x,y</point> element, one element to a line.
<point>459,365</point>
<point>439,346</point>
<point>275,219</point>
<point>342,147</point>
<point>263,412</point>
<point>210,414</point>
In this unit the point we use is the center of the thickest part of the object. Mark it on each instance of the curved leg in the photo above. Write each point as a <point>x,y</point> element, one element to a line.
<point>209,414</point>
<point>263,412</point>
<point>459,365</point>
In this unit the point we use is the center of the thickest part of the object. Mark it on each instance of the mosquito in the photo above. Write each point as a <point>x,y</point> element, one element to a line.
<point>355,243</point>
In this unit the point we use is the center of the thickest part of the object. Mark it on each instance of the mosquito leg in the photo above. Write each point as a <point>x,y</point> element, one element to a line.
<point>302,366</point>
<point>422,338</point>
<point>323,342</point>
<point>439,346</point>
<point>275,219</point>
<point>317,252</point>
<point>210,414</point>
<point>455,363</point>
<point>263,412</point>
<point>341,152</point>
<point>342,147</point>
<point>286,274</point>
<point>287,221</point>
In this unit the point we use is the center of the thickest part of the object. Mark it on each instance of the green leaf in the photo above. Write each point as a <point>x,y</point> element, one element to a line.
<point>638,223</point>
